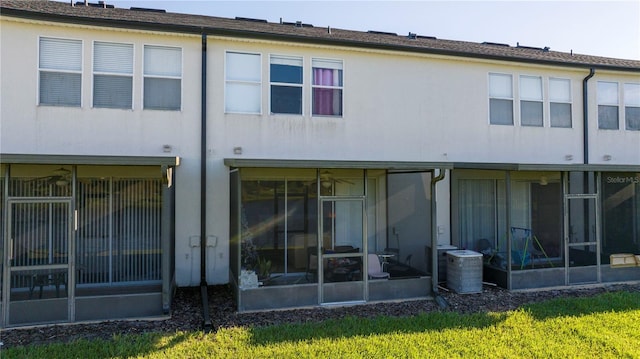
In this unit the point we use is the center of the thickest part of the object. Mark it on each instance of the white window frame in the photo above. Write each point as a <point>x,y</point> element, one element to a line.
<point>145,75</point>
<point>342,103</point>
<point>492,97</point>
<point>523,98</point>
<point>287,84</point>
<point>557,100</point>
<point>113,73</point>
<point>603,102</point>
<point>625,89</point>
<point>59,70</point>
<point>248,82</point>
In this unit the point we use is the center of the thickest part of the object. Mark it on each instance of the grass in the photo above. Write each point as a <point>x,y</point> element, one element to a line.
<point>604,326</point>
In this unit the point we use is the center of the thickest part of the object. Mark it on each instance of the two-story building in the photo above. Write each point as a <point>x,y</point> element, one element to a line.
<point>142,150</point>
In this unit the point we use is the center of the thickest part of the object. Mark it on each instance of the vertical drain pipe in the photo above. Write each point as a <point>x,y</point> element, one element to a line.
<point>434,241</point>
<point>585,117</point>
<point>206,324</point>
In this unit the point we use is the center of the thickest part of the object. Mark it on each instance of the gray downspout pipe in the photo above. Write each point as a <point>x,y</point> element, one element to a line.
<point>434,241</point>
<point>203,189</point>
<point>585,116</point>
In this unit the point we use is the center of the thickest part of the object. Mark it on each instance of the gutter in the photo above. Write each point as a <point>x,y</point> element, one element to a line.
<point>203,189</point>
<point>585,117</point>
<point>434,241</point>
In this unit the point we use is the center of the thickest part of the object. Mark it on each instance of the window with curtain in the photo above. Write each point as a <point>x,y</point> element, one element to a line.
<point>112,75</point>
<point>162,78</point>
<point>531,101</point>
<point>500,99</point>
<point>286,84</point>
<point>327,87</point>
<point>632,106</point>
<point>482,213</point>
<point>243,83</point>
<point>60,70</point>
<point>560,102</point>
<point>607,105</point>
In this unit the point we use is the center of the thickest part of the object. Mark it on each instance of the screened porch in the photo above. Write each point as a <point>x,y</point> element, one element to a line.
<point>85,242</point>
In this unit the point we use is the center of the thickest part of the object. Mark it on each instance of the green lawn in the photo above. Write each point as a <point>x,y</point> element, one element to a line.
<point>604,326</point>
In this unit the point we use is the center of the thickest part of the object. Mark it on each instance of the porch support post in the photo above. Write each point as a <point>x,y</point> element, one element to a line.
<point>167,233</point>
<point>434,237</point>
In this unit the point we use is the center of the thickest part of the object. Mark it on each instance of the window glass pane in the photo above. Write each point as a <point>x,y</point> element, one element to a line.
<point>501,112</point>
<point>607,93</point>
<point>327,102</point>
<point>560,90</point>
<point>60,89</point>
<point>243,67</point>
<point>112,91</point>
<point>621,213</point>
<point>632,95</point>
<point>632,118</point>
<point>561,115</point>
<point>162,94</point>
<point>500,86</point>
<point>477,212</point>
<point>327,72</point>
<point>531,88</point>
<point>327,77</point>
<point>286,74</point>
<point>608,117</point>
<point>278,226</point>
<point>536,221</point>
<point>243,87</point>
<point>60,54</point>
<point>242,98</point>
<point>531,113</point>
<point>162,61</point>
<point>286,99</point>
<point>582,182</point>
<point>112,57</point>
<point>286,70</point>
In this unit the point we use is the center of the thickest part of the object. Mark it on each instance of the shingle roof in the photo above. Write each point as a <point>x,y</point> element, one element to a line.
<point>198,24</point>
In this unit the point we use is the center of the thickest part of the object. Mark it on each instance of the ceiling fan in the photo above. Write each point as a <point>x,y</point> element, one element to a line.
<point>327,179</point>
<point>60,177</point>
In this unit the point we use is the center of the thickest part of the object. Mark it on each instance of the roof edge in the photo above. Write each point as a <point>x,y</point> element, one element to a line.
<point>211,30</point>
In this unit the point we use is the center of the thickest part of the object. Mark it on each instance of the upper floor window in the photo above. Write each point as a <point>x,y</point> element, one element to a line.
<point>162,77</point>
<point>286,84</point>
<point>327,87</point>
<point>560,102</point>
<point>500,99</point>
<point>632,106</point>
<point>243,83</point>
<point>531,101</point>
<point>608,105</point>
<point>112,75</point>
<point>60,69</point>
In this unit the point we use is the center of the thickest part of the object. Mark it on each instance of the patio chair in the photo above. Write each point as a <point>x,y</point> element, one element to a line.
<point>374,267</point>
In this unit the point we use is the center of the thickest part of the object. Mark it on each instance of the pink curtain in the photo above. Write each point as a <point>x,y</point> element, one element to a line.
<point>323,98</point>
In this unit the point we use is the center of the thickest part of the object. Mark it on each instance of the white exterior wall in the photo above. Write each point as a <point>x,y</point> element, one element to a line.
<point>397,107</point>
<point>401,107</point>
<point>28,128</point>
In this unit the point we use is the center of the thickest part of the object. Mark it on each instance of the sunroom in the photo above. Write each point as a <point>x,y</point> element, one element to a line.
<point>309,233</point>
<point>546,226</point>
<point>85,237</point>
